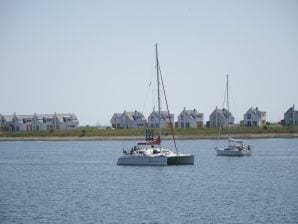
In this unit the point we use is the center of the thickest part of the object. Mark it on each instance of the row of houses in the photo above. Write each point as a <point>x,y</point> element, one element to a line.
<point>253,117</point>
<point>38,122</point>
<point>188,118</point>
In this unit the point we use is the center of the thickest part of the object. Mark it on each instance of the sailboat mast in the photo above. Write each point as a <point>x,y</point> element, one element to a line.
<point>228,105</point>
<point>158,91</point>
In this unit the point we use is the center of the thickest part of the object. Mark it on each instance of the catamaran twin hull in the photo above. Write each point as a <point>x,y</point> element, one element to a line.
<point>158,160</point>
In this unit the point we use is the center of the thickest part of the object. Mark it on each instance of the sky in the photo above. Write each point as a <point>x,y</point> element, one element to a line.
<point>97,58</point>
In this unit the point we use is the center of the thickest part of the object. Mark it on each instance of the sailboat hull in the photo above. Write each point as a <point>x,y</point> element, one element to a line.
<point>158,160</point>
<point>143,160</point>
<point>181,159</point>
<point>229,152</point>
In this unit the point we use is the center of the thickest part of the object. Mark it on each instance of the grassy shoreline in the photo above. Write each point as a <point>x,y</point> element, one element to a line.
<point>90,133</point>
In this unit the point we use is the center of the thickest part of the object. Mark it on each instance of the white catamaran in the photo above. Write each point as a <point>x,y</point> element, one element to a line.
<point>150,152</point>
<point>235,147</point>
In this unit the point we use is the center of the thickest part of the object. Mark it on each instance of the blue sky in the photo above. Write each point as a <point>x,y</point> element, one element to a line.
<point>95,58</point>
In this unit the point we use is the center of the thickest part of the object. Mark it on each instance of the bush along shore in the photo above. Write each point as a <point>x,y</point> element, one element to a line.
<point>91,133</point>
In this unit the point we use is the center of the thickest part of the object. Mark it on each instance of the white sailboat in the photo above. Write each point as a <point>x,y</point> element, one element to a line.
<point>151,153</point>
<point>235,147</point>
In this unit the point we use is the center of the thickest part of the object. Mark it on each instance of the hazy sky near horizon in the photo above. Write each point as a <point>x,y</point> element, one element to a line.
<point>95,58</point>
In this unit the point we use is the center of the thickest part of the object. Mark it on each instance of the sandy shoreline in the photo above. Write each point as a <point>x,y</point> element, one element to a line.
<point>112,138</point>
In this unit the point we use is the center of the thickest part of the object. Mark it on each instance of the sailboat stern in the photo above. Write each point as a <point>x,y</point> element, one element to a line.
<point>181,159</point>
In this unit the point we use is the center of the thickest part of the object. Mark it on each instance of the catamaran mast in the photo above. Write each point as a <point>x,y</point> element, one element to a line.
<point>159,78</point>
<point>158,91</point>
<point>228,105</point>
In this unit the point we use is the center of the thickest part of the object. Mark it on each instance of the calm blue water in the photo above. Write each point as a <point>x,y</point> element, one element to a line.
<point>78,182</point>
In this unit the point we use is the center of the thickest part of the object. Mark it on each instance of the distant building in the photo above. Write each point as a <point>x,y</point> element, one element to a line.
<point>23,122</point>
<point>190,119</point>
<point>1,122</point>
<point>254,118</point>
<point>38,122</point>
<point>220,118</point>
<point>290,117</point>
<point>65,121</point>
<point>165,119</point>
<point>44,122</point>
<point>116,121</point>
<point>7,123</point>
<point>128,120</point>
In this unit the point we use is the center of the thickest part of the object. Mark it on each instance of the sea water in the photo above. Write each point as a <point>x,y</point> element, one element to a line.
<point>79,182</point>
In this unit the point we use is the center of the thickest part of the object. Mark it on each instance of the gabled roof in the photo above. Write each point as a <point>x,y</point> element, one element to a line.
<point>257,112</point>
<point>134,116</point>
<point>192,114</point>
<point>224,113</point>
<point>61,117</point>
<point>290,110</point>
<point>7,118</point>
<point>21,118</point>
<point>25,116</point>
<point>41,116</point>
<point>163,115</point>
<point>118,115</point>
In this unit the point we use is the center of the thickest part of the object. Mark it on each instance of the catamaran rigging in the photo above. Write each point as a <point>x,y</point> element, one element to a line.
<point>155,154</point>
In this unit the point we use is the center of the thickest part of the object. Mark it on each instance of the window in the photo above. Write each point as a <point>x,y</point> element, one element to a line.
<point>187,125</point>
<point>66,119</point>
<point>248,116</point>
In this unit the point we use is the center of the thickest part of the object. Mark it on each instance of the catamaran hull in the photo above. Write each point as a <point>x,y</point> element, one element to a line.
<point>228,152</point>
<point>143,160</point>
<point>183,159</point>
